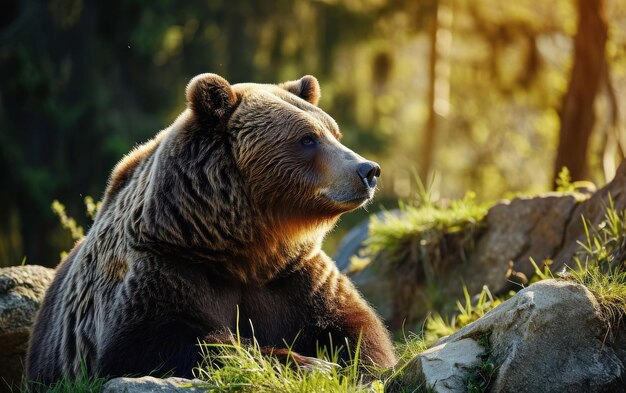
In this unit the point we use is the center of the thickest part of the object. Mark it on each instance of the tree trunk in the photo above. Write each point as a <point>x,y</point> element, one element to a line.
<point>431,123</point>
<point>438,95</point>
<point>578,116</point>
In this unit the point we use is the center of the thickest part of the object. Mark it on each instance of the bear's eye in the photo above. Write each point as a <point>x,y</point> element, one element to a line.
<point>308,140</point>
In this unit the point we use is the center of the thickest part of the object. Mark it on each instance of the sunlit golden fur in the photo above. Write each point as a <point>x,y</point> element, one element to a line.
<point>223,210</point>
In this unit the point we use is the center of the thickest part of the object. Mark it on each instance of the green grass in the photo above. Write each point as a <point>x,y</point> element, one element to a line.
<point>407,350</point>
<point>438,326</point>
<point>70,224</point>
<point>76,231</point>
<point>425,220</point>
<point>411,346</point>
<point>601,264</point>
<point>240,367</point>
<point>79,385</point>
<point>82,384</point>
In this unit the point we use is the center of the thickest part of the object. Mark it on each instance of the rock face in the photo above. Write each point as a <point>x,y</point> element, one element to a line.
<point>151,384</point>
<point>593,210</point>
<point>21,291</point>
<point>550,337</point>
<point>517,231</point>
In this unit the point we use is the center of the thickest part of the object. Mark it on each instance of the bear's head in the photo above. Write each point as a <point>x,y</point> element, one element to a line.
<point>287,150</point>
<point>248,164</point>
<point>285,147</point>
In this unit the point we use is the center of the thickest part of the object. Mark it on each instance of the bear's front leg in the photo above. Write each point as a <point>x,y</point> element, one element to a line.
<point>347,316</point>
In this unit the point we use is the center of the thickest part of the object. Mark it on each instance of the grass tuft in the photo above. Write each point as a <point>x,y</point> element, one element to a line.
<point>67,222</point>
<point>239,367</point>
<point>242,366</point>
<point>438,326</point>
<point>427,220</point>
<point>601,264</point>
<point>83,383</point>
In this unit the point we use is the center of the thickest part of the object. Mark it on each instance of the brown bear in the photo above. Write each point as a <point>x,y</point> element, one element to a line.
<point>217,219</point>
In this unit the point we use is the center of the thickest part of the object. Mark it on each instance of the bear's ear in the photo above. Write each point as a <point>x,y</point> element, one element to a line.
<point>307,88</point>
<point>211,97</point>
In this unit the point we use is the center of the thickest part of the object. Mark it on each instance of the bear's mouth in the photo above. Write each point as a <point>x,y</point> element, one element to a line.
<point>349,201</point>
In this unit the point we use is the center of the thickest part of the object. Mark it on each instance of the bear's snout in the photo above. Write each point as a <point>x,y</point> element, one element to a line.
<point>368,172</point>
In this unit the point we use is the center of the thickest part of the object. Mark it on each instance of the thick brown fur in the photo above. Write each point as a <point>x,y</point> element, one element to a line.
<point>225,210</point>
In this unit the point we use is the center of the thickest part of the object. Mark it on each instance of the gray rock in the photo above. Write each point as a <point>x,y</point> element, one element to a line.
<point>151,384</point>
<point>21,292</point>
<point>550,337</point>
<point>517,231</point>
<point>443,368</point>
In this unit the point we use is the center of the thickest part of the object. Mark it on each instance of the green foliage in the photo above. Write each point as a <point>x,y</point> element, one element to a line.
<point>411,346</point>
<point>438,326</point>
<point>67,222</point>
<point>239,367</point>
<point>83,383</point>
<point>242,367</point>
<point>76,231</point>
<point>425,221</point>
<point>609,288</point>
<point>541,273</point>
<point>605,243</point>
<point>407,349</point>
<point>92,207</point>
<point>601,263</point>
<point>564,181</point>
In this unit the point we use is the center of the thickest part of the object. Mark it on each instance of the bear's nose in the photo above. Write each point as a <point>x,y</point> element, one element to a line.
<point>368,171</point>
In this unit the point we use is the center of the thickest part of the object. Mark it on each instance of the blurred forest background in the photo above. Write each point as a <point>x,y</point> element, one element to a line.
<point>495,96</point>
